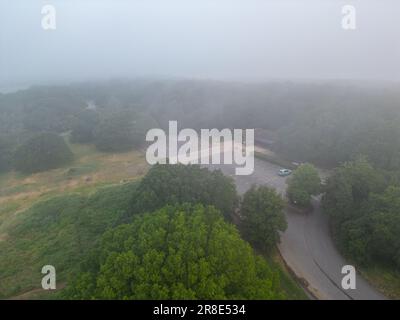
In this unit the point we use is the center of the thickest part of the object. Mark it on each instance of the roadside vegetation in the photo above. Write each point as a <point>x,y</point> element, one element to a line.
<point>304,183</point>
<point>262,217</point>
<point>364,206</point>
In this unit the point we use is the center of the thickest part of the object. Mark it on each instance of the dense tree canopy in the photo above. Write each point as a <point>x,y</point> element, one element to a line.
<point>330,136</point>
<point>373,235</point>
<point>115,133</point>
<point>304,183</point>
<point>83,126</point>
<point>178,252</point>
<point>365,210</point>
<point>42,152</point>
<point>349,188</point>
<point>262,217</point>
<point>171,184</point>
<point>50,114</point>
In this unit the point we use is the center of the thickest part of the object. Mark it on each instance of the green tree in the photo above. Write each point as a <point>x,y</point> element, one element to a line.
<point>178,252</point>
<point>380,141</point>
<point>262,217</point>
<point>364,211</point>
<point>115,133</point>
<point>385,221</point>
<point>349,187</point>
<point>42,152</point>
<point>372,235</point>
<point>304,183</point>
<point>83,126</point>
<point>171,184</point>
<point>49,113</point>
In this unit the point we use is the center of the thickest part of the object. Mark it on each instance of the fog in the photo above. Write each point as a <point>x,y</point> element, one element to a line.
<point>226,39</point>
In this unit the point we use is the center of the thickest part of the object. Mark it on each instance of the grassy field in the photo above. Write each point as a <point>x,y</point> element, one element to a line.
<point>90,172</point>
<point>67,191</point>
<point>91,169</point>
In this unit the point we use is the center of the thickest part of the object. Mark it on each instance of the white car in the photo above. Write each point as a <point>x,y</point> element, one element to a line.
<point>284,172</point>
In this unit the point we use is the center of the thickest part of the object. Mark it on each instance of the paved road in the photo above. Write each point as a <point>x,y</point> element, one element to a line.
<point>306,245</point>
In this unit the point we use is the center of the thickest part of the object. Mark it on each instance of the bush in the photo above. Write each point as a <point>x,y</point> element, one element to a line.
<point>42,152</point>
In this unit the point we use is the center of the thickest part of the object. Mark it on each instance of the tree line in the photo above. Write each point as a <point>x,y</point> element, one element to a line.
<point>323,123</point>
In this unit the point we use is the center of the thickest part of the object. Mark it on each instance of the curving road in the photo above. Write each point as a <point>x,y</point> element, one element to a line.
<point>306,245</point>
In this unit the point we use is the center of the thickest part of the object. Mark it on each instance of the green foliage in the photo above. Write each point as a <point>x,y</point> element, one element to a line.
<point>60,231</point>
<point>330,135</point>
<point>380,142</point>
<point>116,133</point>
<point>322,123</point>
<point>50,111</point>
<point>177,252</point>
<point>42,152</point>
<point>262,217</point>
<point>171,184</point>
<point>365,212</point>
<point>373,236</point>
<point>319,123</point>
<point>6,152</point>
<point>83,126</point>
<point>349,188</point>
<point>304,183</point>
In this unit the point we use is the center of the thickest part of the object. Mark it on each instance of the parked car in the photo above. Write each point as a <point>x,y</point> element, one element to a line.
<point>284,172</point>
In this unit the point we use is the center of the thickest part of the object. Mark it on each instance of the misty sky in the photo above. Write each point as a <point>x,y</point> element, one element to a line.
<point>219,39</point>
